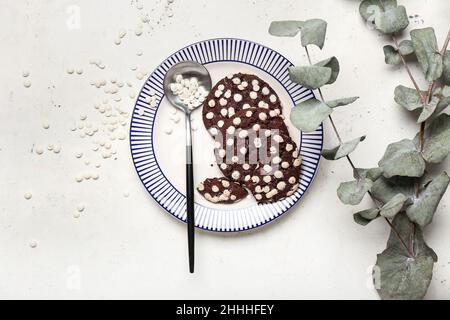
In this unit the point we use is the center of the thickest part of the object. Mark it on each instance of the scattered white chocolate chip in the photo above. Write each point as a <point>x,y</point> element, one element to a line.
<point>33,244</point>
<point>28,196</point>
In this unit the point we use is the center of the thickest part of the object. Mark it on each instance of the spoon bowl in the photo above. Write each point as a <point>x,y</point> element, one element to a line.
<point>187,69</point>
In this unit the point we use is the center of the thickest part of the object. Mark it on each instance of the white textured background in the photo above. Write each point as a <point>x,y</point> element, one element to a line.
<point>128,247</point>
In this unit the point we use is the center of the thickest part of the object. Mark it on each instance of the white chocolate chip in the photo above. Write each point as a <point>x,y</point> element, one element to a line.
<point>281,185</point>
<point>267,168</point>
<point>278,138</point>
<point>262,116</point>
<point>246,166</point>
<point>276,160</point>
<point>255,179</point>
<point>253,95</point>
<point>28,196</point>
<point>297,162</point>
<point>289,147</point>
<point>271,193</point>
<point>292,180</point>
<point>212,103</point>
<point>278,174</point>
<point>215,189</point>
<point>237,97</point>
<point>236,81</point>
<point>246,106</point>
<point>258,197</point>
<point>223,102</point>
<point>224,112</point>
<point>285,165</point>
<point>243,134</point>
<point>265,91</point>
<point>273,98</point>
<point>209,115</point>
<point>267,179</point>
<point>237,121</point>
<point>235,175</point>
<point>225,183</point>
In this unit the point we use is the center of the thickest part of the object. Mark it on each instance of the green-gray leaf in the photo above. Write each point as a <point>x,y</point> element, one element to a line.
<point>408,98</point>
<point>436,139</point>
<point>442,105</point>
<point>313,32</point>
<point>446,68</point>
<point>392,20</point>
<point>352,192</point>
<point>372,174</point>
<point>365,217</point>
<point>394,206</point>
<point>406,47</point>
<point>398,275</point>
<point>402,159</point>
<point>341,102</point>
<point>368,8</point>
<point>423,208</point>
<point>385,189</point>
<point>427,52</point>
<point>428,110</point>
<point>333,64</point>
<point>308,115</point>
<point>342,150</point>
<point>288,28</point>
<point>311,77</point>
<point>391,56</point>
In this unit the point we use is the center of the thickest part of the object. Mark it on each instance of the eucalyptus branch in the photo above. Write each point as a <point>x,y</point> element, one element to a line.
<point>349,160</point>
<point>396,186</point>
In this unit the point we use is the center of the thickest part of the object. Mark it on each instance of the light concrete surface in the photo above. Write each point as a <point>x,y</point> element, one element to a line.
<point>130,248</point>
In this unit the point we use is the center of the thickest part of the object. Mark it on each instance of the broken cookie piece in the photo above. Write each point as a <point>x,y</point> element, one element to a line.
<point>221,190</point>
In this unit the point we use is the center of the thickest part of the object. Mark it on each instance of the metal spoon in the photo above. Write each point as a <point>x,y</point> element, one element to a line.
<point>188,69</point>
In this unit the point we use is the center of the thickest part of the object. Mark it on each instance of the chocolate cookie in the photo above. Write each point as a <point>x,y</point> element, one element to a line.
<point>221,190</point>
<point>277,177</point>
<point>235,93</point>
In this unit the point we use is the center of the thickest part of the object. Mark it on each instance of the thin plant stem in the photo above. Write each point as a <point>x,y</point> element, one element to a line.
<point>336,131</point>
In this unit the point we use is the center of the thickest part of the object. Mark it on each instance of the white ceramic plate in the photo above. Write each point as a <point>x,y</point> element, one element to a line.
<point>160,158</point>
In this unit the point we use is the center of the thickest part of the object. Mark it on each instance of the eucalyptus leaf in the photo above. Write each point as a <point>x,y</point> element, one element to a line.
<point>423,208</point>
<point>352,192</point>
<point>308,115</point>
<point>428,110</point>
<point>406,47</point>
<point>436,139</point>
<point>341,102</point>
<point>311,77</point>
<point>391,55</point>
<point>442,105</point>
<point>288,28</point>
<point>333,64</point>
<point>408,98</point>
<point>446,68</point>
<point>399,276</point>
<point>365,217</point>
<point>369,8</point>
<point>385,189</point>
<point>342,150</point>
<point>402,159</point>
<point>445,91</point>
<point>392,20</point>
<point>313,32</point>
<point>427,52</point>
<point>372,174</point>
<point>394,206</point>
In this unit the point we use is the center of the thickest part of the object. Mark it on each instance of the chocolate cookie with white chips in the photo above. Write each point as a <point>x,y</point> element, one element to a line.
<point>221,190</point>
<point>235,155</point>
<point>277,178</point>
<point>235,93</point>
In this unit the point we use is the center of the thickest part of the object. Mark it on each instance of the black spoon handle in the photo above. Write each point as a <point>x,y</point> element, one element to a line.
<point>190,213</point>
